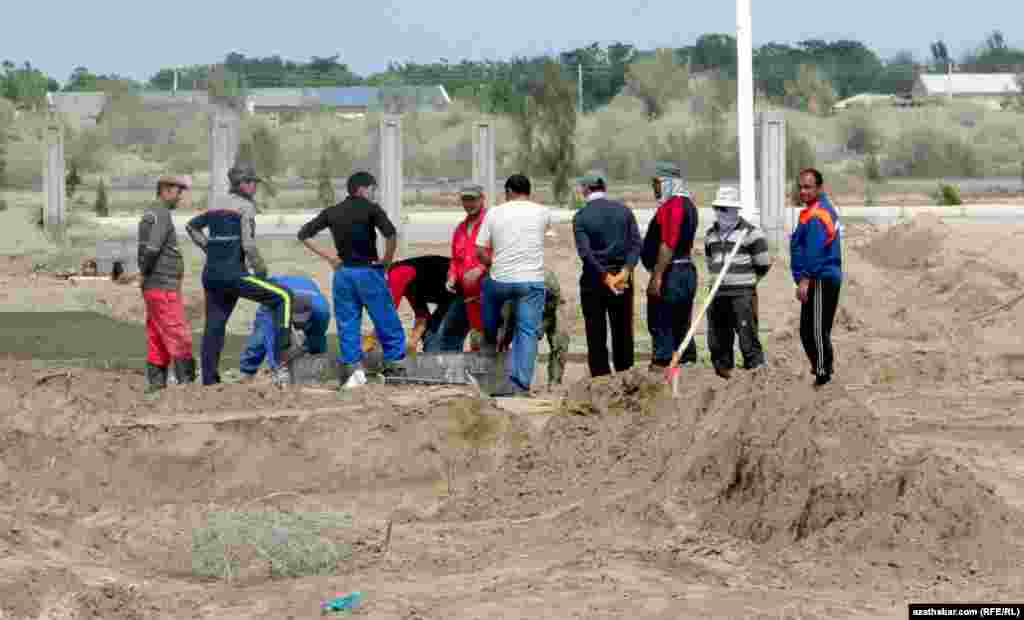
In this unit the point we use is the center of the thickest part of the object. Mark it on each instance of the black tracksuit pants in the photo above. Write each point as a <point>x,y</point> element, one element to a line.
<point>602,308</point>
<point>816,318</point>
<point>221,298</point>
<point>728,317</point>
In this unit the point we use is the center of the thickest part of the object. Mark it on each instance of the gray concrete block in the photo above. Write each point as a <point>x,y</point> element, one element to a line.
<point>447,368</point>
<point>314,369</point>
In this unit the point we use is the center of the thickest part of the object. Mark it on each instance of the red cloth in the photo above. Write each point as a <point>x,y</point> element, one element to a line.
<point>670,217</point>
<point>399,279</point>
<point>168,332</point>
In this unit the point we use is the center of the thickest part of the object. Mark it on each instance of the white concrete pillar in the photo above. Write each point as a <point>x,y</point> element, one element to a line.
<point>54,213</point>
<point>390,181</point>
<point>484,160</point>
<point>773,181</point>
<point>224,137</point>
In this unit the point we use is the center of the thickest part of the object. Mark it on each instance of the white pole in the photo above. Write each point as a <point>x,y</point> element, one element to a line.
<point>579,88</point>
<point>745,109</point>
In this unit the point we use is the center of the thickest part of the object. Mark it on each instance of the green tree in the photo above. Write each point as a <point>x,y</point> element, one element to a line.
<point>101,205</point>
<point>325,186</point>
<point>657,81</point>
<point>548,124</point>
<point>812,90</point>
<point>71,181</point>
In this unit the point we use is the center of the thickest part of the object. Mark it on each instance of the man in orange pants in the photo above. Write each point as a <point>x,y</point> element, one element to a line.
<point>162,269</point>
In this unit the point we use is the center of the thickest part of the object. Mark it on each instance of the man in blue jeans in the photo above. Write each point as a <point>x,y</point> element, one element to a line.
<point>311,311</point>
<point>359,277</point>
<point>510,245</point>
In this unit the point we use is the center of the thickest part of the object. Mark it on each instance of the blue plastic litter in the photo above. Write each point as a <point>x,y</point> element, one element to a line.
<point>342,603</point>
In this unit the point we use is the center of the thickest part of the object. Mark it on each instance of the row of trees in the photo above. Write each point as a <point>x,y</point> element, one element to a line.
<point>500,86</point>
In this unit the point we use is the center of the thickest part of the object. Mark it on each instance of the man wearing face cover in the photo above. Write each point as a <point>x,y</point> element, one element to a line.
<point>734,308</point>
<point>666,254</point>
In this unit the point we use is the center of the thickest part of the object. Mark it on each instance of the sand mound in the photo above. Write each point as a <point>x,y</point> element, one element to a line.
<point>763,458</point>
<point>79,402</point>
<point>777,467</point>
<point>912,244</point>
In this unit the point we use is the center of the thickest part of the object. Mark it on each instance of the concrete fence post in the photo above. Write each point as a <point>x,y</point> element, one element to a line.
<point>54,212</point>
<point>772,192</point>
<point>391,178</point>
<point>484,160</point>
<point>224,135</point>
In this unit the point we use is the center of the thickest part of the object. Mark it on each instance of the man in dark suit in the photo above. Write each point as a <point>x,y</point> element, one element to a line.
<point>608,242</point>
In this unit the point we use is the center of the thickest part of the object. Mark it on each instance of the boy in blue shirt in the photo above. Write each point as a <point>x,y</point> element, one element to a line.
<point>816,260</point>
<point>311,311</point>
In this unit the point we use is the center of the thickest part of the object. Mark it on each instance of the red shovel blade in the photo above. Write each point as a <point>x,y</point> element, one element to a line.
<point>671,374</point>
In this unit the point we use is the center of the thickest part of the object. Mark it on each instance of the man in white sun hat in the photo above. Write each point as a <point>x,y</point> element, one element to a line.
<point>734,308</point>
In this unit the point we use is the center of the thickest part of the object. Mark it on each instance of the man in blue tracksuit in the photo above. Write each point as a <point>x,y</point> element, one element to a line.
<point>231,250</point>
<point>816,260</point>
<point>262,341</point>
<point>359,277</point>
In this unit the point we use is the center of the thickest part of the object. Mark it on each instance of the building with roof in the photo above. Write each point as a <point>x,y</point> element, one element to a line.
<point>985,88</point>
<point>80,109</point>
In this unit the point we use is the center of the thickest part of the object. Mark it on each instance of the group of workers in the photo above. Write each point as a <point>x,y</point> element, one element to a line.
<point>494,289</point>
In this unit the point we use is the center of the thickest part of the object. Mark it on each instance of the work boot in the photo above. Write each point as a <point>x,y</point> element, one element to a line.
<point>185,370</point>
<point>156,378</point>
<point>392,369</point>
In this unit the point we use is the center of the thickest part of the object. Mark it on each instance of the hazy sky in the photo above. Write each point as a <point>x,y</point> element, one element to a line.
<point>137,37</point>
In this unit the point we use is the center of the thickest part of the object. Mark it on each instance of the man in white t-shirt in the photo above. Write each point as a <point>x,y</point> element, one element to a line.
<point>511,245</point>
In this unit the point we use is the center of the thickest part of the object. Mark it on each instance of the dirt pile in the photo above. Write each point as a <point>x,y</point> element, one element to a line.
<point>764,458</point>
<point>60,594</point>
<point>911,244</point>
<point>778,465</point>
<point>55,402</point>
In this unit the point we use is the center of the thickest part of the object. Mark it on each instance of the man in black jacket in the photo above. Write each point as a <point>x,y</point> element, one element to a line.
<point>608,242</point>
<point>227,236</point>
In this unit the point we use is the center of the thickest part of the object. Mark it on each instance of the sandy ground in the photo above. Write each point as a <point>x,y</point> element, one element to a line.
<point>759,497</point>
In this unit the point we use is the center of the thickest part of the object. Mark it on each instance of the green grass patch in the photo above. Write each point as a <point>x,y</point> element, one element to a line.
<point>289,544</point>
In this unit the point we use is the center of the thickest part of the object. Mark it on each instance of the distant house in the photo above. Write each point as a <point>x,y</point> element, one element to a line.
<point>81,109</point>
<point>864,100</point>
<point>348,100</point>
<point>984,88</point>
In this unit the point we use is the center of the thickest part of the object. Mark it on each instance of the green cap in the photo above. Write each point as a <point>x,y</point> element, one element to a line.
<point>471,191</point>
<point>594,177</point>
<point>667,169</point>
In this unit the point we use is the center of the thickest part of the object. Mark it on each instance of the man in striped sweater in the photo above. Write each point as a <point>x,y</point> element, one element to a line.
<point>734,309</point>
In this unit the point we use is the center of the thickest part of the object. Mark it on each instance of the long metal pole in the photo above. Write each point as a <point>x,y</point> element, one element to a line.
<point>745,109</point>
<point>579,88</point>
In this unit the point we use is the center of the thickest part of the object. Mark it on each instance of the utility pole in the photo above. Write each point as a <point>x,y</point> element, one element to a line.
<point>579,88</point>
<point>745,109</point>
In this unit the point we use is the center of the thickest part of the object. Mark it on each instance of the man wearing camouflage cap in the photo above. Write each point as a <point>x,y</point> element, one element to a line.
<point>231,252</point>
<point>666,254</point>
<point>161,270</point>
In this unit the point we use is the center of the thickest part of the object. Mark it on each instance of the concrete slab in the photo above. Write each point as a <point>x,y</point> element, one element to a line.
<point>424,368</point>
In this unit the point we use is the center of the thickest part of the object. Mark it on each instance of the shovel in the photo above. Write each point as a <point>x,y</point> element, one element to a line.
<point>672,373</point>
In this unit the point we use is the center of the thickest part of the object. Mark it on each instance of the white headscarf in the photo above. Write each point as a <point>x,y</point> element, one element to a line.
<point>674,186</point>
